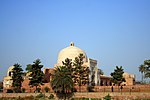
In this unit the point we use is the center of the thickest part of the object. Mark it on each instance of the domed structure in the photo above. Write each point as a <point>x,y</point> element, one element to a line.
<point>9,72</point>
<point>70,52</point>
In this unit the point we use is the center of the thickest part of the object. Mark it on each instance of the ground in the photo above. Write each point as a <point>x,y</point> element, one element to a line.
<point>114,95</point>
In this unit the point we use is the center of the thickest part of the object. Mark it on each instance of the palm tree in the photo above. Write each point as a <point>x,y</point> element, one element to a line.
<point>62,82</point>
<point>142,69</point>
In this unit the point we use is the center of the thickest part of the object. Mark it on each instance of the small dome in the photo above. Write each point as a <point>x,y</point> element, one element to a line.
<point>10,70</point>
<point>70,52</point>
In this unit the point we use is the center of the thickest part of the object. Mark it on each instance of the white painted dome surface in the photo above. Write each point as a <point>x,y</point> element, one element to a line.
<point>10,70</point>
<point>70,52</point>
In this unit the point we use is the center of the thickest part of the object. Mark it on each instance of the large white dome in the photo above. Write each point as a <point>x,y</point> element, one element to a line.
<point>70,52</point>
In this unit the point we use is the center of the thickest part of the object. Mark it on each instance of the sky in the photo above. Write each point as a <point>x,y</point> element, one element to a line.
<point>113,32</point>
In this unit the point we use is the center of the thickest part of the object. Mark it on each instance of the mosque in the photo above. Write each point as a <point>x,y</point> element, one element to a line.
<point>71,52</point>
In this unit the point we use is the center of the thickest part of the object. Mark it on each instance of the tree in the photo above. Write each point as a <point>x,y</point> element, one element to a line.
<point>62,82</point>
<point>36,74</point>
<point>142,69</point>
<point>117,76</point>
<point>81,73</point>
<point>147,66</point>
<point>17,77</point>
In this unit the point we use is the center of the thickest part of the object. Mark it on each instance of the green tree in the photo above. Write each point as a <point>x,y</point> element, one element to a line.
<point>147,66</point>
<point>81,73</point>
<point>62,82</point>
<point>117,76</point>
<point>17,77</point>
<point>36,74</point>
<point>142,69</point>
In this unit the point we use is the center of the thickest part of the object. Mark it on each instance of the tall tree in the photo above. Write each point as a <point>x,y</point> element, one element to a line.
<point>62,82</point>
<point>147,66</point>
<point>36,74</point>
<point>81,73</point>
<point>17,77</point>
<point>117,76</point>
<point>68,64</point>
<point>142,69</point>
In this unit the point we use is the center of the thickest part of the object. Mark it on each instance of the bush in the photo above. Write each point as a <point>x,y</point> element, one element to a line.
<point>38,90</point>
<point>40,95</point>
<point>23,90</point>
<point>51,96</point>
<point>74,89</point>
<point>9,91</point>
<point>46,89</point>
<point>107,97</point>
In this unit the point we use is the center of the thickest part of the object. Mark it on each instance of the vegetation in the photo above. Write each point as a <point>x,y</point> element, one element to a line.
<point>51,96</point>
<point>46,89</point>
<point>107,97</point>
<point>147,65</point>
<point>62,82</point>
<point>36,74</point>
<point>23,90</point>
<point>142,69</point>
<point>145,69</point>
<point>41,95</point>
<point>9,91</point>
<point>80,72</point>
<point>117,76</point>
<point>17,77</point>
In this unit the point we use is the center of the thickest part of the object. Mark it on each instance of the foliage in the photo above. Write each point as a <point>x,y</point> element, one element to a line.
<point>1,88</point>
<point>147,65</point>
<point>9,91</point>
<point>51,96</point>
<point>145,69</point>
<point>142,69</point>
<point>46,89</point>
<point>117,76</point>
<point>23,90</point>
<point>107,97</point>
<point>80,72</point>
<point>62,82</point>
<point>38,90</point>
<point>36,77</point>
<point>17,77</point>
<point>40,95</point>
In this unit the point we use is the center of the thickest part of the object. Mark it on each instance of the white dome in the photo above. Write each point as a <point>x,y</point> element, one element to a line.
<point>10,70</point>
<point>70,52</point>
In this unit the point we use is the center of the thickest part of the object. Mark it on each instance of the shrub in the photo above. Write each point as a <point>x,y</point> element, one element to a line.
<point>40,95</point>
<point>23,90</point>
<point>107,97</point>
<point>38,90</point>
<point>9,91</point>
<point>46,89</point>
<point>51,96</point>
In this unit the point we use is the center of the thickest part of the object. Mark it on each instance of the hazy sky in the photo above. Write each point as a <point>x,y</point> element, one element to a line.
<point>114,32</point>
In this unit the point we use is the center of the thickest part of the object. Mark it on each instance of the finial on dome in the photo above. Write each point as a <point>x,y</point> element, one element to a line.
<point>71,44</point>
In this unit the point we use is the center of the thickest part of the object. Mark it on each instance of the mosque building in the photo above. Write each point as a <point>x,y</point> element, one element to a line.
<point>71,52</point>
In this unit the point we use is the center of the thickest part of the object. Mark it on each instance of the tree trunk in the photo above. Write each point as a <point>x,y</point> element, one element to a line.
<point>142,77</point>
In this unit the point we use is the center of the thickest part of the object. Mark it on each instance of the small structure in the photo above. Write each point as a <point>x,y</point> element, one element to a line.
<point>130,79</point>
<point>7,81</point>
